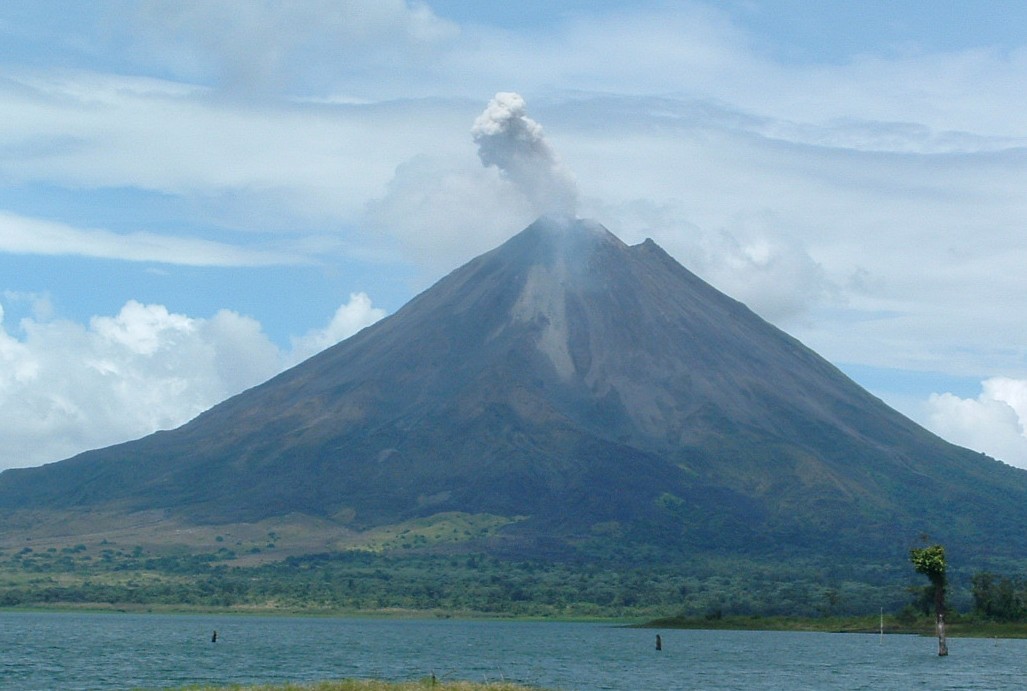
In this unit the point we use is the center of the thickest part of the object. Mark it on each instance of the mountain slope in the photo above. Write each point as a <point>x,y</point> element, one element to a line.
<point>600,393</point>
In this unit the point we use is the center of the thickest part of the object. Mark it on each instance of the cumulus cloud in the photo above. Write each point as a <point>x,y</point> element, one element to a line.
<point>995,422</point>
<point>348,319</point>
<point>67,387</point>
<point>752,258</point>
<point>761,266</point>
<point>515,144</point>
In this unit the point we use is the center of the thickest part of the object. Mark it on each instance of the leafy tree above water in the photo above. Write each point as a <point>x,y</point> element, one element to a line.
<point>930,561</point>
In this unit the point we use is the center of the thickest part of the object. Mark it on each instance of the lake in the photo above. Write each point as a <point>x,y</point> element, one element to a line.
<point>80,651</point>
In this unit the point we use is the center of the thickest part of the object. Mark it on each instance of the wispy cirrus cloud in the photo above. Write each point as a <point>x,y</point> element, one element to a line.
<point>256,49</point>
<point>21,235</point>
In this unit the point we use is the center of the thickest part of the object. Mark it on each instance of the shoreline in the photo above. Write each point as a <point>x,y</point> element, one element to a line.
<point>392,613</point>
<point>958,627</point>
<point>962,626</point>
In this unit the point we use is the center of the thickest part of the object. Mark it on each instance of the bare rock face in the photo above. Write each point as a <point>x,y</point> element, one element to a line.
<point>593,390</point>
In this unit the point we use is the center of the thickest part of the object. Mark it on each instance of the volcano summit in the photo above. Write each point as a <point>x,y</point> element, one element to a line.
<point>598,397</point>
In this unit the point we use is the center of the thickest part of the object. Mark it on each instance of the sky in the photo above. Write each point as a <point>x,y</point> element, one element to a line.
<point>198,194</point>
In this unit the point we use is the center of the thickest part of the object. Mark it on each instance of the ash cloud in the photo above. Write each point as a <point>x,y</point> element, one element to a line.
<point>515,144</point>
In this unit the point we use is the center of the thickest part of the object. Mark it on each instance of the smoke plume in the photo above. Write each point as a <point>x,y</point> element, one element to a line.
<point>514,143</point>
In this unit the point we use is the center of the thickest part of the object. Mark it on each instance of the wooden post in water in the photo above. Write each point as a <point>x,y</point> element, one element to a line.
<point>659,642</point>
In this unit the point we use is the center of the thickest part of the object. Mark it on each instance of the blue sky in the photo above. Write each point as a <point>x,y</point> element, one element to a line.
<point>196,194</point>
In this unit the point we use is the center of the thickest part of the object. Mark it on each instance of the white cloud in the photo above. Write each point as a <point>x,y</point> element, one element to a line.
<point>440,213</point>
<point>67,387</point>
<point>754,259</point>
<point>40,304</point>
<point>694,51</point>
<point>306,162</point>
<point>347,320</point>
<point>264,46</point>
<point>995,422</point>
<point>901,260</point>
<point>21,235</point>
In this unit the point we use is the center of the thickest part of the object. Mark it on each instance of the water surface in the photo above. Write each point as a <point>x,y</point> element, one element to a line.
<point>77,652</point>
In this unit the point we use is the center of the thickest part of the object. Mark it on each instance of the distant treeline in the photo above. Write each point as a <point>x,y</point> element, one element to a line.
<point>362,581</point>
<point>1000,598</point>
<point>475,583</point>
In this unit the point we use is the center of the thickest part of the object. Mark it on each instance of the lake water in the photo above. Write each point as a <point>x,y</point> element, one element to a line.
<point>70,651</point>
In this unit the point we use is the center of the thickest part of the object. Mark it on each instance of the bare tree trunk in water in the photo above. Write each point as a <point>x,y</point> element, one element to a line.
<point>939,607</point>
<point>943,648</point>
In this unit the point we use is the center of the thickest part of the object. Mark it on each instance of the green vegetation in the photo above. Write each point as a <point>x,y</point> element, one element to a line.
<point>1000,598</point>
<point>372,685</point>
<point>905,622</point>
<point>999,609</point>
<point>256,574</point>
<point>930,561</point>
<point>135,577</point>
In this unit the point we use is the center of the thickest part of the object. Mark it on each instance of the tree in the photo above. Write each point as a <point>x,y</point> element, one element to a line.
<point>930,561</point>
<point>984,594</point>
<point>1000,598</point>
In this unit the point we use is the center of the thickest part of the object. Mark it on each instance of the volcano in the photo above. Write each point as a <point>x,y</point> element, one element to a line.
<point>597,396</point>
